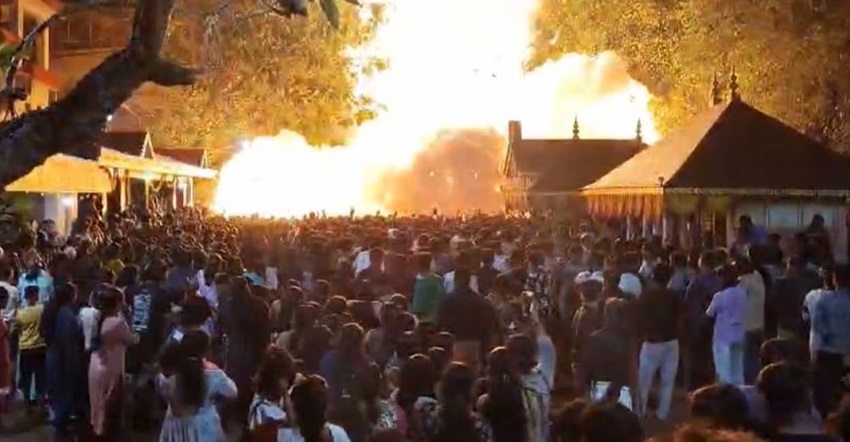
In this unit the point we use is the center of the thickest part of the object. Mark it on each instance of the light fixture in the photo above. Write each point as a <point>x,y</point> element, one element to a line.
<point>67,201</point>
<point>109,118</point>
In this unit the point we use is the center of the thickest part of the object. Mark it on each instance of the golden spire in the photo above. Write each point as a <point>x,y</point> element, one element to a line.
<point>734,94</point>
<point>639,131</point>
<point>575,128</point>
<point>715,92</point>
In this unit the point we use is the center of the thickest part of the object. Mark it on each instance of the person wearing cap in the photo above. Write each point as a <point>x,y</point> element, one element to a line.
<point>588,317</point>
<point>660,315</point>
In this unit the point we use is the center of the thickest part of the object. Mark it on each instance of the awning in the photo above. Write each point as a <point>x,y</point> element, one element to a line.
<point>114,159</point>
<point>64,174</point>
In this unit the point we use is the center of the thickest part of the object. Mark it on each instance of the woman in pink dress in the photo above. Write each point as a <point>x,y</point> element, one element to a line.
<point>106,368</point>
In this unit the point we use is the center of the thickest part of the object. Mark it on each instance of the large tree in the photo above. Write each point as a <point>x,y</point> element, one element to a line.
<point>791,56</point>
<point>71,124</point>
<point>263,74</point>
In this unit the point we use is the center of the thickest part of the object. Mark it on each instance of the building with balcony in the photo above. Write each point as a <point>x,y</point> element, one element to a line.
<point>18,18</point>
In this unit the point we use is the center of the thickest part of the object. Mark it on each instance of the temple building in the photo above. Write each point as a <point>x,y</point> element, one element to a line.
<point>546,175</point>
<point>731,160</point>
<point>128,172</point>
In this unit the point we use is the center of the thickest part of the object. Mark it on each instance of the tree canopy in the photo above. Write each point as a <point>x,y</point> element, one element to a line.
<point>71,124</point>
<point>263,74</point>
<point>791,56</point>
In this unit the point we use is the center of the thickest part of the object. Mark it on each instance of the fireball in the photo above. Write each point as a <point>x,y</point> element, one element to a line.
<point>453,65</point>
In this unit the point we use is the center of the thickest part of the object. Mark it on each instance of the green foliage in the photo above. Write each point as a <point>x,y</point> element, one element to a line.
<point>331,11</point>
<point>791,56</point>
<point>263,74</point>
<point>6,52</point>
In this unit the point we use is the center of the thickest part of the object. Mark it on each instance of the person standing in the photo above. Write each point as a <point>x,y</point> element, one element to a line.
<point>471,319</point>
<point>106,367</point>
<point>696,345</point>
<point>428,290</point>
<point>659,316</point>
<point>65,364</point>
<point>31,347</point>
<point>830,333</point>
<point>729,308</point>
<point>753,283</point>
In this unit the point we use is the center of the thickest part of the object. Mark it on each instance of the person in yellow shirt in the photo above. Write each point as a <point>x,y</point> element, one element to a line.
<point>31,345</point>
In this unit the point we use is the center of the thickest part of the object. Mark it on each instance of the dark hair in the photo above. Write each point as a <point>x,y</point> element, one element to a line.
<point>310,403</point>
<point>31,292</point>
<point>609,421</point>
<point>721,406</point>
<point>185,360</point>
<point>108,299</point>
<point>728,276</point>
<point>64,295</point>
<point>416,379</point>
<point>842,276</point>
<point>783,350</point>
<point>566,426</point>
<point>305,318</point>
<point>440,357</point>
<point>194,311</point>
<point>662,273</point>
<point>371,391</point>
<point>275,366</point>
<point>351,341</point>
<point>128,276</point>
<point>455,419</point>
<point>785,388</point>
<point>523,350</point>
<point>504,409</point>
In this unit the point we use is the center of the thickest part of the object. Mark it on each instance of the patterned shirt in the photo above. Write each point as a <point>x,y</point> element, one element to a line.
<point>539,282</point>
<point>829,313</point>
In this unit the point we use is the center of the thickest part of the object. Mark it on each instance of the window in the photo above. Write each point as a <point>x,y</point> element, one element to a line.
<point>8,14</point>
<point>31,23</point>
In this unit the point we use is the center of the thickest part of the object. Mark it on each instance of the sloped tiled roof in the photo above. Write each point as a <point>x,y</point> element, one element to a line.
<point>194,157</point>
<point>732,146</point>
<point>131,143</point>
<point>565,165</point>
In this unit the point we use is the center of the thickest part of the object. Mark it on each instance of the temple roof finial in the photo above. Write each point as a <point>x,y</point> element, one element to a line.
<point>639,131</point>
<point>734,93</point>
<point>715,97</point>
<point>575,128</point>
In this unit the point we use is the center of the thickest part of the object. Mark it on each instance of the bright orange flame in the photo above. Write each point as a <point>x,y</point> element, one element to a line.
<point>453,64</point>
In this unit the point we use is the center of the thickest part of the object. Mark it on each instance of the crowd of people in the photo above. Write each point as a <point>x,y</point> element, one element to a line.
<point>422,329</point>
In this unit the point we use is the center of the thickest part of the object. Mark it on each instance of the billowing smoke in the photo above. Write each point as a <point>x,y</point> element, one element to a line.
<point>469,74</point>
<point>457,171</point>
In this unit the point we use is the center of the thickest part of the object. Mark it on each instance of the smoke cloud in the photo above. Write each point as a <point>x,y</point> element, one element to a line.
<point>457,171</point>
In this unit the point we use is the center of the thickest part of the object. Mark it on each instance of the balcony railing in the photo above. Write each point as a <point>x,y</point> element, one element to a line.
<point>90,31</point>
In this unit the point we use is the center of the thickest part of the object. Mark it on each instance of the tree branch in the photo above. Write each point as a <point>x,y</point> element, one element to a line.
<point>71,124</point>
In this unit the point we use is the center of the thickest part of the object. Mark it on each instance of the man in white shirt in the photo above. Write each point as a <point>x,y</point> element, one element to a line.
<point>753,283</point>
<point>466,261</point>
<point>6,283</point>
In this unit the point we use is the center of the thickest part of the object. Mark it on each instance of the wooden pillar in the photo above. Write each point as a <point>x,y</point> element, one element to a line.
<point>190,192</point>
<point>123,190</point>
<point>147,194</point>
<point>667,228</point>
<point>630,228</point>
<point>174,193</point>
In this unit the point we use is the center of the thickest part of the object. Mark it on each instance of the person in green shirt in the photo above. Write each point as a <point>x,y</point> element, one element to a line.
<point>428,289</point>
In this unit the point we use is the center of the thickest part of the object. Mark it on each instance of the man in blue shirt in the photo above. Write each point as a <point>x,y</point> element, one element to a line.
<point>828,313</point>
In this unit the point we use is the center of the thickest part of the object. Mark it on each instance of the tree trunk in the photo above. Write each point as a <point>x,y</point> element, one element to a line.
<point>71,124</point>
